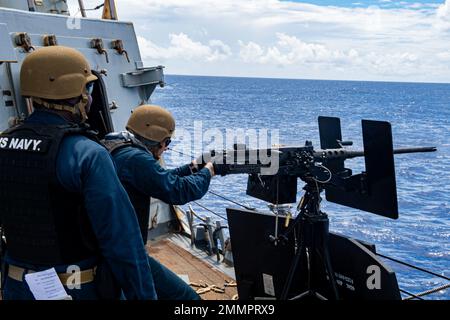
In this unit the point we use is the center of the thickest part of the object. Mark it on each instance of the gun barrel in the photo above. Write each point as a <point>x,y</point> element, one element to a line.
<point>249,161</point>
<point>413,150</point>
<point>334,154</point>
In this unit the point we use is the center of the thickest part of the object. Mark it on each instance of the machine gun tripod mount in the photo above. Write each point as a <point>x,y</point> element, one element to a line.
<point>311,227</point>
<point>373,190</point>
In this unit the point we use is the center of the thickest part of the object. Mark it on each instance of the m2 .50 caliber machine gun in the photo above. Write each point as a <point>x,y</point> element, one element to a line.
<point>273,175</point>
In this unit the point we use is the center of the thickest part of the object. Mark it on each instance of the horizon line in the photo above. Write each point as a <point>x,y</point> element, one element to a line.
<point>304,79</point>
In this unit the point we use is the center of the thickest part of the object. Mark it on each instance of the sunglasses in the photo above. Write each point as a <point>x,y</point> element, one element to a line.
<point>167,142</point>
<point>89,88</point>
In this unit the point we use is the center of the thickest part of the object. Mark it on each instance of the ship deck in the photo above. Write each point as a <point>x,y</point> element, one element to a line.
<point>203,272</point>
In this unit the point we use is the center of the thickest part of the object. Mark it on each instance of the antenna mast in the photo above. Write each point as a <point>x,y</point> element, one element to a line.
<point>82,8</point>
<point>109,10</point>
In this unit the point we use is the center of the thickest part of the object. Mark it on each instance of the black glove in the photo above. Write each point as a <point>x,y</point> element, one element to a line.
<point>219,168</point>
<point>203,160</point>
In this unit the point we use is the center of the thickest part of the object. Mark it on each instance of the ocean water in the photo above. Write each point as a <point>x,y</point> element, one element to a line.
<point>419,115</point>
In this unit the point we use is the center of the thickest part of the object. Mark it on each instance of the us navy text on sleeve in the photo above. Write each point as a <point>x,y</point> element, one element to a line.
<point>20,144</point>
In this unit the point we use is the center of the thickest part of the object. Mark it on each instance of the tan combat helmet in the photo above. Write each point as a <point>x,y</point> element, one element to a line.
<point>152,122</point>
<point>56,73</point>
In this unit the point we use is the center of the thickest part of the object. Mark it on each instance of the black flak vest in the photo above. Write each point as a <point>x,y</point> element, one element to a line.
<point>139,200</point>
<point>44,224</point>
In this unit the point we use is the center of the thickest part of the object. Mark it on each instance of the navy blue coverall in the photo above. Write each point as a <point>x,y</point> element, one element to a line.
<point>85,167</point>
<point>138,169</point>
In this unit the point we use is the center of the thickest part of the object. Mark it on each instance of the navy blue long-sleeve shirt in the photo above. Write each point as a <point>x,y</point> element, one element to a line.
<point>140,169</point>
<point>85,167</point>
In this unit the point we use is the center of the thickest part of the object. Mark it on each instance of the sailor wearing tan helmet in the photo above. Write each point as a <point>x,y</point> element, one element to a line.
<point>62,204</point>
<point>136,153</point>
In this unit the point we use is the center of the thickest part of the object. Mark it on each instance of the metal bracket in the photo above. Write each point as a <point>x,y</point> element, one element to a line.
<point>118,46</point>
<point>97,43</point>
<point>22,39</point>
<point>146,79</point>
<point>50,40</point>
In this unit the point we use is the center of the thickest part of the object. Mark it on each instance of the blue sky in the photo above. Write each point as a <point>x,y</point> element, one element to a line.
<point>382,40</point>
<point>365,3</point>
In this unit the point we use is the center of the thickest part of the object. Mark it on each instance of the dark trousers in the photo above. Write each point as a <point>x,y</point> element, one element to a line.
<point>168,286</point>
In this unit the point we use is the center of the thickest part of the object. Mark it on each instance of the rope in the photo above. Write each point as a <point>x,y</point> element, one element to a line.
<point>414,267</point>
<point>216,214</point>
<point>96,8</point>
<point>232,201</point>
<point>412,295</point>
<point>424,293</point>
<point>179,152</point>
<point>91,9</point>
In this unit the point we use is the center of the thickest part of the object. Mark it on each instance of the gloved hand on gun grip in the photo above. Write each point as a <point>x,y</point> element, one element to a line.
<point>204,158</point>
<point>200,162</point>
<point>208,157</point>
<point>195,166</point>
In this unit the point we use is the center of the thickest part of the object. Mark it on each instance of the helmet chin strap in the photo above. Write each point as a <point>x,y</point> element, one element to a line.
<point>78,109</point>
<point>82,105</point>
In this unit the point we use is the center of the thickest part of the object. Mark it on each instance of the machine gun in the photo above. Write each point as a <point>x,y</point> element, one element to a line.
<point>273,175</point>
<point>273,172</point>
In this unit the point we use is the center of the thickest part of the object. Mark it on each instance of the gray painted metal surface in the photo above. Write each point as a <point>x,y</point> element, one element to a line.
<point>78,33</point>
<point>15,4</point>
<point>144,78</point>
<point>47,6</point>
<point>7,53</point>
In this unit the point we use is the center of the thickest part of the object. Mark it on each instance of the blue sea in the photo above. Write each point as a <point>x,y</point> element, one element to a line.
<point>419,114</point>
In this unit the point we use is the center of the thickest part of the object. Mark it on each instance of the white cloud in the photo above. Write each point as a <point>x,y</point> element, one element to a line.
<point>183,47</point>
<point>250,52</point>
<point>444,56</point>
<point>404,63</point>
<point>149,50</point>
<point>393,41</point>
<point>291,50</point>
<point>444,9</point>
<point>219,51</point>
<point>443,16</point>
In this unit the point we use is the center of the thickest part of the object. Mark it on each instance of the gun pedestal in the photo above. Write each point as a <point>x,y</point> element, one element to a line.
<point>311,227</point>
